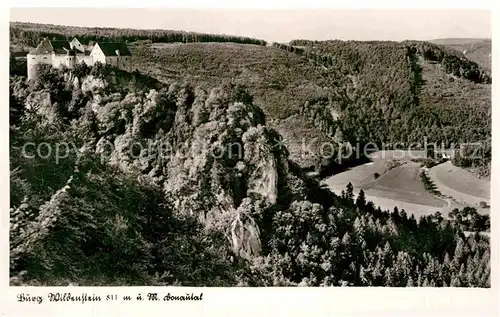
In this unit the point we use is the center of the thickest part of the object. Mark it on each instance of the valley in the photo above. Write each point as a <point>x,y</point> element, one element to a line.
<point>399,184</point>
<point>249,128</point>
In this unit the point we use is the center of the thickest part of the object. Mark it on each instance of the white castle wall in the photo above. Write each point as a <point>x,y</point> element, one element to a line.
<point>112,60</point>
<point>57,61</point>
<point>122,62</point>
<point>85,59</point>
<point>70,61</point>
<point>60,60</point>
<point>33,60</point>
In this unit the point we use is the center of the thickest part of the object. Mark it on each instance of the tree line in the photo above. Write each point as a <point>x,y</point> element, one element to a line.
<point>32,34</point>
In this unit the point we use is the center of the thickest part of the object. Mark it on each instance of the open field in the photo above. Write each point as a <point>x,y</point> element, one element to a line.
<point>399,184</point>
<point>460,184</point>
<point>361,175</point>
<point>402,183</point>
<point>410,208</point>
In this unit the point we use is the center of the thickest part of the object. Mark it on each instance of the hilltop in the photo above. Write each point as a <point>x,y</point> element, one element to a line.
<point>459,41</point>
<point>25,35</point>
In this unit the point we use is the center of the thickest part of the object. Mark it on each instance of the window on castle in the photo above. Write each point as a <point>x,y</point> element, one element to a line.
<point>45,58</point>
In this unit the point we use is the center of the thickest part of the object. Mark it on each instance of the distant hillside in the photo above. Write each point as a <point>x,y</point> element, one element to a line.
<point>478,50</point>
<point>30,34</point>
<point>458,41</point>
<point>367,91</point>
<point>408,91</point>
<point>330,91</point>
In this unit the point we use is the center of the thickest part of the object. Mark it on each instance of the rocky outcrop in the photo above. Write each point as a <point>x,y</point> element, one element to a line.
<point>212,155</point>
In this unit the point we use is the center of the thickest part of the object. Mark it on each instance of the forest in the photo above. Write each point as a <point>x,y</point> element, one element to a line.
<point>202,217</point>
<point>31,34</point>
<point>387,100</point>
<point>388,93</point>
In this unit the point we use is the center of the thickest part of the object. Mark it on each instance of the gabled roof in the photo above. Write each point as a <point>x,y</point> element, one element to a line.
<point>75,40</point>
<point>43,48</point>
<point>61,47</point>
<point>58,47</point>
<point>110,49</point>
<point>64,48</point>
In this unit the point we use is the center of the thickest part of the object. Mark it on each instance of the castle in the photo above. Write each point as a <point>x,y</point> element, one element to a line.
<point>59,53</point>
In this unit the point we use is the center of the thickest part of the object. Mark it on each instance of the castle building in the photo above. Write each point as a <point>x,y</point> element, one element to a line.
<point>64,53</point>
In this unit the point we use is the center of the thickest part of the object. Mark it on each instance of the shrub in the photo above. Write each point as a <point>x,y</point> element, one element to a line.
<point>483,204</point>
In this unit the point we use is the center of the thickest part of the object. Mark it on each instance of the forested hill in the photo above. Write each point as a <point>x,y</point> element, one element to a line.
<point>31,34</point>
<point>428,90</point>
<point>321,91</point>
<point>188,186</point>
<point>379,92</point>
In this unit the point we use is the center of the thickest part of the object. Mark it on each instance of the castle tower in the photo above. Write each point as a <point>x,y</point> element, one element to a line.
<point>42,54</point>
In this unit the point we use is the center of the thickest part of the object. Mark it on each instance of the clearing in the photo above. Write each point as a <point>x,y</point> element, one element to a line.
<point>399,184</point>
<point>460,184</point>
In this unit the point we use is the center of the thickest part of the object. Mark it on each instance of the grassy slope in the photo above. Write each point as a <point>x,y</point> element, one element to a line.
<point>280,82</point>
<point>403,183</point>
<point>461,181</point>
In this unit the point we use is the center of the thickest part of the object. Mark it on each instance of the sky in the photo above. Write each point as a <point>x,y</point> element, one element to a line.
<point>280,25</point>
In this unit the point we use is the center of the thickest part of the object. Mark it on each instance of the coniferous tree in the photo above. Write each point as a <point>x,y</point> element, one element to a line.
<point>349,191</point>
<point>361,199</point>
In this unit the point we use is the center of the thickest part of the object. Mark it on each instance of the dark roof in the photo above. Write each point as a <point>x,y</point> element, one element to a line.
<point>43,48</point>
<point>60,47</point>
<point>63,47</point>
<point>109,49</point>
